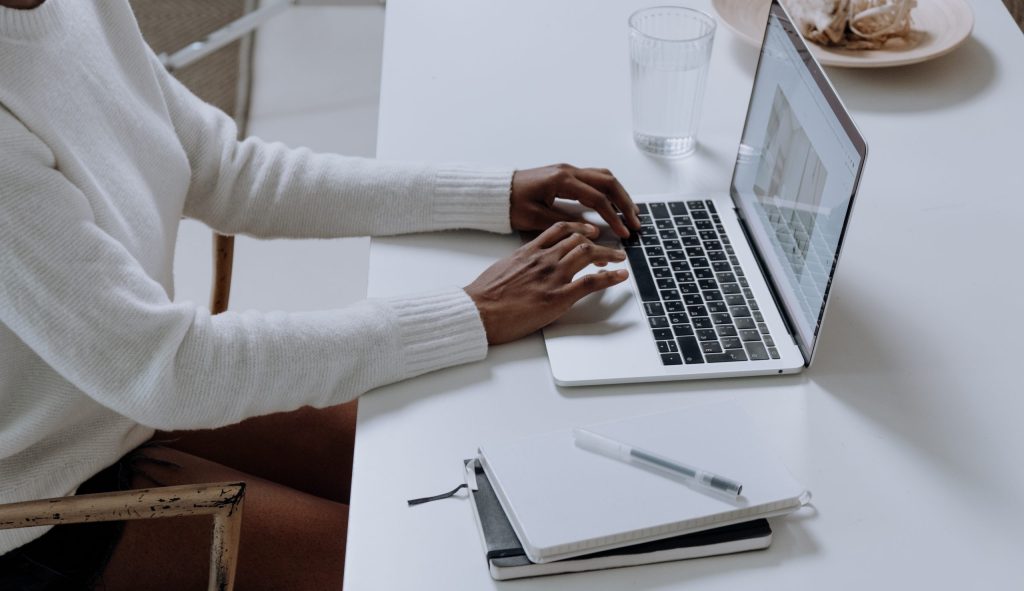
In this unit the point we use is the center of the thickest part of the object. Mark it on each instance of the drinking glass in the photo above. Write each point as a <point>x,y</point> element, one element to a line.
<point>670,49</point>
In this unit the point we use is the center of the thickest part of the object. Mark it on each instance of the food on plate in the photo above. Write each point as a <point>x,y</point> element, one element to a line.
<point>854,24</point>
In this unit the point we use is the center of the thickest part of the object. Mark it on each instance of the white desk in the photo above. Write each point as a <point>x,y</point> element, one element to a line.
<point>907,428</point>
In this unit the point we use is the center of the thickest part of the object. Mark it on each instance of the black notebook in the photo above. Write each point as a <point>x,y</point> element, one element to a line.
<point>507,559</point>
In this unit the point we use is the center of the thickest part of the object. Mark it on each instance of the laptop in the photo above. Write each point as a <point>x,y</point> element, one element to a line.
<point>737,284</point>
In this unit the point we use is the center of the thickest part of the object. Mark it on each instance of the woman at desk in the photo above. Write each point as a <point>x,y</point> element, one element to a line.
<point>107,383</point>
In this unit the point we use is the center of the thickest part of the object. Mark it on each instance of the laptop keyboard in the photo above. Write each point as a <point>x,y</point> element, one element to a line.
<point>698,303</point>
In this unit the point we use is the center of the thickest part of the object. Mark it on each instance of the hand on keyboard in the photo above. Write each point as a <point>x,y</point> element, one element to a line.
<point>534,192</point>
<point>534,286</point>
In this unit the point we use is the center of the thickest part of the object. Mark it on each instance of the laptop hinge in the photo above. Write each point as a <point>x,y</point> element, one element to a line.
<point>771,285</point>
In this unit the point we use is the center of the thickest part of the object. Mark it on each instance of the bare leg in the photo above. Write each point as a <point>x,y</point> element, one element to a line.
<point>307,449</point>
<point>290,540</point>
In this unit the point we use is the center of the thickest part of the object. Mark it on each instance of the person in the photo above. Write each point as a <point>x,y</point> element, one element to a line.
<point>107,383</point>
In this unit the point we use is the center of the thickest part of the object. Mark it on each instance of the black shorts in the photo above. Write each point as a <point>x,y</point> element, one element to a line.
<point>73,556</point>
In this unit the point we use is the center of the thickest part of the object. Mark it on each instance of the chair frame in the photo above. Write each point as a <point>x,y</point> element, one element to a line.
<point>222,500</point>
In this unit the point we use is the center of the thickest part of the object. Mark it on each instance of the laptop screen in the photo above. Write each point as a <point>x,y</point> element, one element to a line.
<point>797,170</point>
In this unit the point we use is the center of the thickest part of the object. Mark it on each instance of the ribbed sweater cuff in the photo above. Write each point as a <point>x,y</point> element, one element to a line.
<point>437,330</point>
<point>474,198</point>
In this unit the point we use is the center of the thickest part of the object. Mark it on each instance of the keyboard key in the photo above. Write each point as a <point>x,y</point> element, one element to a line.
<point>678,318</point>
<point>666,283</point>
<point>649,240</point>
<point>717,307</point>
<point>697,310</point>
<point>677,207</point>
<point>748,293</point>
<point>689,288</point>
<point>667,347</point>
<point>687,231</point>
<point>728,288</point>
<point>689,348</point>
<point>707,284</point>
<point>740,311</point>
<point>679,266</point>
<point>710,347</point>
<point>704,273</point>
<point>729,355</point>
<point>712,245</point>
<point>669,294</point>
<point>671,359</point>
<point>642,207</point>
<point>698,262</point>
<point>735,300</point>
<point>658,261</point>
<point>676,255</point>
<point>753,305</point>
<point>717,256</point>
<point>695,204</point>
<point>712,294</point>
<point>773,352</point>
<point>703,224</point>
<point>721,266</point>
<point>732,343</point>
<point>706,334</point>
<point>661,272</point>
<point>750,335</point>
<point>711,206</point>
<point>668,235</point>
<point>743,282</point>
<point>708,235</point>
<point>694,251</point>
<point>688,241</point>
<point>761,326</point>
<point>768,340</point>
<point>642,275</point>
<point>745,323</point>
<point>702,322</point>
<point>684,277</point>
<point>735,261</point>
<point>661,334</point>
<point>658,321</point>
<point>726,331</point>
<point>682,330</point>
<point>674,306</point>
<point>664,224</point>
<point>654,251</point>
<point>692,299</point>
<point>721,318</point>
<point>726,277</point>
<point>758,317</point>
<point>648,231</point>
<point>700,215</point>
<point>672,245</point>
<point>654,309</point>
<point>659,210</point>
<point>756,351</point>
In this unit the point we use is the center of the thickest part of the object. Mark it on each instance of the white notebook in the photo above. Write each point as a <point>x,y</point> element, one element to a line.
<point>565,501</point>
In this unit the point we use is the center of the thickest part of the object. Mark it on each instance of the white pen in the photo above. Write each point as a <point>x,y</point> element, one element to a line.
<point>627,453</point>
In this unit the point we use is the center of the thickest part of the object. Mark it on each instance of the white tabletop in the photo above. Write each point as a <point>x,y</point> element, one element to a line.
<point>908,426</point>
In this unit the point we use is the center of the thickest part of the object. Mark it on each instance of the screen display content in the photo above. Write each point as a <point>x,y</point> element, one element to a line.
<point>795,176</point>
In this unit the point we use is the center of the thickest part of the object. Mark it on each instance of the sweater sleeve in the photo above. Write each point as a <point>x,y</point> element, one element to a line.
<point>79,299</point>
<point>268,190</point>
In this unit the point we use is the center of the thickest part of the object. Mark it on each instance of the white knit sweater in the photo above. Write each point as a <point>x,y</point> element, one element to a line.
<point>101,153</point>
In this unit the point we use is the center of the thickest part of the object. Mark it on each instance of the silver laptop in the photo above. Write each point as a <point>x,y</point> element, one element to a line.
<point>737,284</point>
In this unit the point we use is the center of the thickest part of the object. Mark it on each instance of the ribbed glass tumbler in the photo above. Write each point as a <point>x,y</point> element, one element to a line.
<point>670,50</point>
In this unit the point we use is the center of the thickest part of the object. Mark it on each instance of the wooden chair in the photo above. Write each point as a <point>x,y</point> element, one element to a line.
<point>222,78</point>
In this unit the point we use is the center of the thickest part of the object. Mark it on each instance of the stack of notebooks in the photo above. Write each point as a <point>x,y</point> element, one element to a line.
<point>545,505</point>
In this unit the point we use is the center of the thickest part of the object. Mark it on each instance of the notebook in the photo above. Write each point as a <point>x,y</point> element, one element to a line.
<point>506,559</point>
<point>565,501</point>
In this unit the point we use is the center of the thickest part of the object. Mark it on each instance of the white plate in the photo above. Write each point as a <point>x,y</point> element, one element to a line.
<point>944,25</point>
